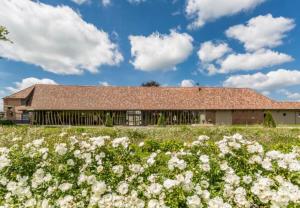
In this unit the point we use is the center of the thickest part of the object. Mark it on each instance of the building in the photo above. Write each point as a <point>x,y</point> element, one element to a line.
<point>135,106</point>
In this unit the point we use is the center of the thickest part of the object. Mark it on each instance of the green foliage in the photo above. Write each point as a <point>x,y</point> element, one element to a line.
<point>269,121</point>
<point>161,120</point>
<point>150,84</point>
<point>108,120</point>
<point>7,123</point>
<point>3,33</point>
<point>199,167</point>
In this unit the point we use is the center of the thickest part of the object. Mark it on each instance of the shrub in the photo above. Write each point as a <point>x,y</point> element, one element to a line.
<point>161,120</point>
<point>101,171</point>
<point>108,120</point>
<point>269,121</point>
<point>7,123</point>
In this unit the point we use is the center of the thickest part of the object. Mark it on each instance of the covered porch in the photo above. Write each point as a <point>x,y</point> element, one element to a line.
<point>121,117</point>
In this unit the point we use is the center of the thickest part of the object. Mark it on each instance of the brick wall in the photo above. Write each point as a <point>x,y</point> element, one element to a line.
<point>10,111</point>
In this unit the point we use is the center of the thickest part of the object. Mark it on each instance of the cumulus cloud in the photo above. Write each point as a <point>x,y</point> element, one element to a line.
<point>252,61</point>
<point>203,11</point>
<point>160,51</point>
<point>27,82</point>
<point>187,83</point>
<point>55,38</point>
<point>265,82</point>
<point>136,1</point>
<point>210,51</point>
<point>106,2</point>
<point>2,94</point>
<point>261,32</point>
<point>80,1</point>
<point>290,95</point>
<point>104,84</point>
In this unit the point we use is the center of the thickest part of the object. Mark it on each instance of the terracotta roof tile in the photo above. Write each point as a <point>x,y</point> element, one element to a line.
<point>60,97</point>
<point>22,94</point>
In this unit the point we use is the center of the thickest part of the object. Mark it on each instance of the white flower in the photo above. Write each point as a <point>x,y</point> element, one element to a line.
<point>193,201</point>
<point>204,158</point>
<point>99,188</point>
<point>169,183</point>
<point>247,179</point>
<point>38,142</point>
<point>123,188</point>
<point>136,168</point>
<point>124,141</point>
<point>30,203</point>
<point>61,149</point>
<point>66,202</point>
<point>65,187</point>
<point>70,162</point>
<point>153,203</point>
<point>98,141</point>
<point>118,170</point>
<point>155,188</point>
<point>4,162</point>
<point>218,202</point>
<point>175,162</point>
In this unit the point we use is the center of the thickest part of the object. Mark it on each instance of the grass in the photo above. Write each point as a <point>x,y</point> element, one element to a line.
<point>282,138</point>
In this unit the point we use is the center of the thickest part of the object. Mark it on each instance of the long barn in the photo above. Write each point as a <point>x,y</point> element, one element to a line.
<point>141,106</point>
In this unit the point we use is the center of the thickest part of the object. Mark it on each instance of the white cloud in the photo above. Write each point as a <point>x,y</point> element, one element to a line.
<point>265,82</point>
<point>104,84</point>
<point>106,2</point>
<point>136,1</point>
<point>210,51</point>
<point>2,94</point>
<point>261,32</point>
<point>290,95</point>
<point>203,11</point>
<point>80,1</point>
<point>160,51</point>
<point>187,83</point>
<point>252,61</point>
<point>54,38</point>
<point>27,82</point>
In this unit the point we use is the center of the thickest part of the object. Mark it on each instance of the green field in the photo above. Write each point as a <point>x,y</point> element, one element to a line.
<point>282,137</point>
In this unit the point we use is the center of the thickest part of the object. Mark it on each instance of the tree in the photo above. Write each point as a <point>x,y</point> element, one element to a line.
<point>269,121</point>
<point>161,120</point>
<point>3,33</point>
<point>150,84</point>
<point>108,120</point>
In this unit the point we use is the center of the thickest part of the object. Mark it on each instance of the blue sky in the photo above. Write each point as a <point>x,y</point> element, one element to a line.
<point>118,42</point>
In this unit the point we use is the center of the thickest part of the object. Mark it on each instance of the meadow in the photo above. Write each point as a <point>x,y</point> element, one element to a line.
<point>181,166</point>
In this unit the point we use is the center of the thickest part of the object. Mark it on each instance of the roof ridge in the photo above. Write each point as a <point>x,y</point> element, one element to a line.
<point>176,87</point>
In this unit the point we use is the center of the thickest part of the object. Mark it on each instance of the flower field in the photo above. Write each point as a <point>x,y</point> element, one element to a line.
<point>85,170</point>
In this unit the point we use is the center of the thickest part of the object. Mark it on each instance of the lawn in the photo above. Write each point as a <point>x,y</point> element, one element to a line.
<point>281,137</point>
<point>225,167</point>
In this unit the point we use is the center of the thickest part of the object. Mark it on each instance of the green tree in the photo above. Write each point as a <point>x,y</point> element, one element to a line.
<point>269,121</point>
<point>150,84</point>
<point>108,120</point>
<point>161,120</point>
<point>3,33</point>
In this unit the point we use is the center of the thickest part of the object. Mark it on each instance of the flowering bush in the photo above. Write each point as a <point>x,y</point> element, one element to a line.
<point>105,172</point>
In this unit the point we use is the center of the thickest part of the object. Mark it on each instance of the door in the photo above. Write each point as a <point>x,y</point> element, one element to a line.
<point>134,118</point>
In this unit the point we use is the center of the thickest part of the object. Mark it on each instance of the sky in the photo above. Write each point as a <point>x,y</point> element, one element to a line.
<point>237,43</point>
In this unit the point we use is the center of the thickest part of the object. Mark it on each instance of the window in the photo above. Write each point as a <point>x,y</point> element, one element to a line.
<point>284,114</point>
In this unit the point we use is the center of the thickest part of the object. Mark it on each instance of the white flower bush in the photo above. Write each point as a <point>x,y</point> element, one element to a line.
<point>105,172</point>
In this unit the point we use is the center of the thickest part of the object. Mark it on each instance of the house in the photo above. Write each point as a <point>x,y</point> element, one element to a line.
<point>135,106</point>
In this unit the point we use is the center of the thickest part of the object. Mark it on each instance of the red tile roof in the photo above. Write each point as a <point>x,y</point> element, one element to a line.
<point>22,94</point>
<point>59,97</point>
